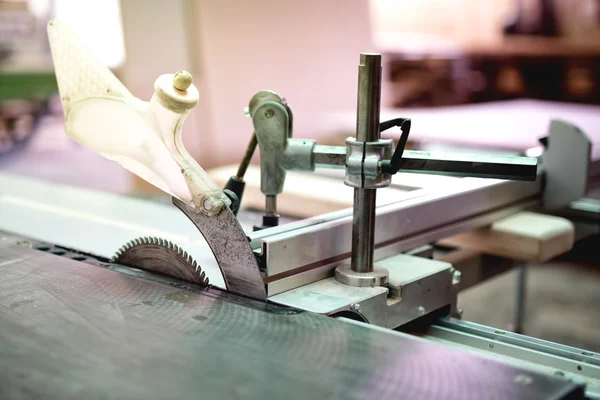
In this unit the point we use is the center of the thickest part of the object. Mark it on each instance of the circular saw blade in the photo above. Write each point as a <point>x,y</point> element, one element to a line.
<point>160,256</point>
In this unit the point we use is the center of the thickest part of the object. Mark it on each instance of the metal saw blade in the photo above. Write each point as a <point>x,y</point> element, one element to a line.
<point>160,256</point>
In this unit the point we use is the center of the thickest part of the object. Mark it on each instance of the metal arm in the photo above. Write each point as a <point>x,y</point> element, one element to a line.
<point>368,161</point>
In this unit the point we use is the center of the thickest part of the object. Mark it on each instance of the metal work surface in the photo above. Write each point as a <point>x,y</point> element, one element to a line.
<point>74,330</point>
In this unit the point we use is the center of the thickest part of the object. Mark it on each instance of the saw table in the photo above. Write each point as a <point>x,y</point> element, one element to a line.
<point>73,329</point>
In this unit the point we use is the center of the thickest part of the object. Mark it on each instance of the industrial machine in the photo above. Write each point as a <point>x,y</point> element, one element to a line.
<point>349,304</point>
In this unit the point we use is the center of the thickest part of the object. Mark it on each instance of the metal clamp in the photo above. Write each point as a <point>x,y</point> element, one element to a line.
<point>363,165</point>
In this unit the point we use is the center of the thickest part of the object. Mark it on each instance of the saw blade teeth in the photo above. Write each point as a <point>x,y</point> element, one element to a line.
<point>144,248</point>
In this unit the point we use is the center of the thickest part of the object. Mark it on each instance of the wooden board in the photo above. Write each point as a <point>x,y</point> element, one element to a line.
<point>524,236</point>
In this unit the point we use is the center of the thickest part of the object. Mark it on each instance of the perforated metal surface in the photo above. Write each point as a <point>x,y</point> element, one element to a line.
<point>74,330</point>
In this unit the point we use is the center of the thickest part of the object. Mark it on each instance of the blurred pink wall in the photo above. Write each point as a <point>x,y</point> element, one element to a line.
<point>307,50</point>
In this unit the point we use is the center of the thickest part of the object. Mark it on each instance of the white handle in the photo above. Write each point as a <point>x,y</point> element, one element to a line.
<point>144,137</point>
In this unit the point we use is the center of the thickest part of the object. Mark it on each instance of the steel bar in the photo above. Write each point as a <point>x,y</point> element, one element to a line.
<point>270,205</point>
<point>367,130</point>
<point>520,298</point>
<point>451,164</point>
<point>363,230</point>
<point>474,165</point>
<point>329,156</point>
<point>247,156</point>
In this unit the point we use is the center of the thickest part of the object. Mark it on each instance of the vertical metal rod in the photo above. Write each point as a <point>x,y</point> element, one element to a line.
<point>270,205</point>
<point>363,229</point>
<point>367,130</point>
<point>369,98</point>
<point>521,292</point>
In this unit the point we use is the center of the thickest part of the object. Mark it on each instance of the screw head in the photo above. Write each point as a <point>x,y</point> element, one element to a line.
<point>269,113</point>
<point>421,310</point>
<point>356,308</point>
<point>207,205</point>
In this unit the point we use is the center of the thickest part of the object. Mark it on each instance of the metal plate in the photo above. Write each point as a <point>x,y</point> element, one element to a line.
<point>231,249</point>
<point>567,163</point>
<point>70,330</point>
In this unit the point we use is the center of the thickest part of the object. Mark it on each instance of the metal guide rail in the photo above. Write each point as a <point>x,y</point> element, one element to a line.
<point>298,247</point>
<point>547,357</point>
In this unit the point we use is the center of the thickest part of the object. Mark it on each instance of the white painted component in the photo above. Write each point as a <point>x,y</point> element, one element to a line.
<point>523,236</point>
<point>144,137</point>
<point>404,269</point>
